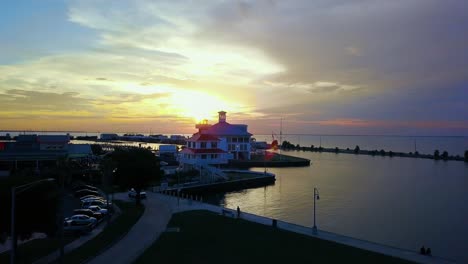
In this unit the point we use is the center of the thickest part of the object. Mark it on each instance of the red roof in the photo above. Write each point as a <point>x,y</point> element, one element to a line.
<point>203,137</point>
<point>202,151</point>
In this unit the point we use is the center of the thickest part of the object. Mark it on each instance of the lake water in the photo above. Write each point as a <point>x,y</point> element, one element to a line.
<point>402,202</point>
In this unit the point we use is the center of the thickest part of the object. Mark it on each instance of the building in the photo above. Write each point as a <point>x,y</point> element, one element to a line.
<point>33,151</point>
<point>218,143</point>
<point>109,136</point>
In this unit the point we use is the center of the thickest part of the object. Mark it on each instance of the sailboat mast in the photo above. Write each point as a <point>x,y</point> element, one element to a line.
<point>281,135</point>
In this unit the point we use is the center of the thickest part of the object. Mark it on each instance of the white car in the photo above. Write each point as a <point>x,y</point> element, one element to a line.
<point>132,194</point>
<point>87,204</point>
<point>97,209</point>
<point>82,220</point>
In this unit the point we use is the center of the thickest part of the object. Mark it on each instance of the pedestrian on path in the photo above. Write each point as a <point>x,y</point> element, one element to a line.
<point>238,212</point>
<point>428,251</point>
<point>422,250</point>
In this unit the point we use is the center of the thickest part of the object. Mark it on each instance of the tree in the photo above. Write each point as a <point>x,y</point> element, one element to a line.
<point>466,155</point>
<point>382,152</point>
<point>445,155</point>
<point>436,154</point>
<point>356,149</point>
<point>97,149</point>
<point>135,168</point>
<point>43,195</point>
<point>337,150</point>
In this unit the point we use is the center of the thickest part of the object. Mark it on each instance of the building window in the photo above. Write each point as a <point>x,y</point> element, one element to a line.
<point>229,140</point>
<point>203,145</point>
<point>214,156</point>
<point>214,144</point>
<point>203,156</point>
<point>234,139</point>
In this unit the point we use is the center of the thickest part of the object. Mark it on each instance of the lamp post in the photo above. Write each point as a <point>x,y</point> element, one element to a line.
<point>14,191</point>
<point>316,197</point>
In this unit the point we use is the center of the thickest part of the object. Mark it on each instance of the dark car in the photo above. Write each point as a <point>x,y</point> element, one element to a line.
<point>82,193</point>
<point>89,213</point>
<point>70,226</point>
<point>85,187</point>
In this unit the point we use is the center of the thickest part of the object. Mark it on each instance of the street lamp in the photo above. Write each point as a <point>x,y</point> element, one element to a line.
<point>316,197</point>
<point>14,192</point>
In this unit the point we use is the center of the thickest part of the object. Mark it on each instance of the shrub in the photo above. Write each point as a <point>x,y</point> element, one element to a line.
<point>356,150</point>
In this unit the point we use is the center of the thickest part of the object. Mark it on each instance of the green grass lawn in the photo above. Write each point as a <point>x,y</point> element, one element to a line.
<point>206,237</point>
<point>34,249</point>
<point>111,234</point>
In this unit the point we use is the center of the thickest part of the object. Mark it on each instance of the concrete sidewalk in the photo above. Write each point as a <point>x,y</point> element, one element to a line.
<point>148,228</point>
<point>186,205</point>
<point>77,242</point>
<point>159,209</point>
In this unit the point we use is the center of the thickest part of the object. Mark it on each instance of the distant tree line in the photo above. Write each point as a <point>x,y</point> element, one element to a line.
<point>286,145</point>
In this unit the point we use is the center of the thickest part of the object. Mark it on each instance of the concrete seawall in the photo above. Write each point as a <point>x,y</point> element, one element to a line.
<point>240,184</point>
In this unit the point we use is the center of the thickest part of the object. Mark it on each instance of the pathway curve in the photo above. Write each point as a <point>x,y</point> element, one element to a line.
<point>186,205</point>
<point>159,209</point>
<point>148,228</point>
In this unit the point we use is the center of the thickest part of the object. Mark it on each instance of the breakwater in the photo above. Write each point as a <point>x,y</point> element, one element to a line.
<point>357,151</point>
<point>270,160</point>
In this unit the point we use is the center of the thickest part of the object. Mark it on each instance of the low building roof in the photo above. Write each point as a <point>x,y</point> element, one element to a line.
<point>226,129</point>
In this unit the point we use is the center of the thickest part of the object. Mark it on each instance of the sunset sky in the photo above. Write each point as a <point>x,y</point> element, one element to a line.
<point>395,67</point>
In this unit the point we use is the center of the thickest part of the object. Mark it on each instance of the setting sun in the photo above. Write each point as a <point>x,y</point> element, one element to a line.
<point>198,105</point>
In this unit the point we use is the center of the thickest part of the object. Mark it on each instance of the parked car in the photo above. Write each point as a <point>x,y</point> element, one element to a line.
<point>132,194</point>
<point>89,213</point>
<point>85,187</point>
<point>76,227</point>
<point>101,204</point>
<point>97,209</point>
<point>94,199</point>
<point>91,196</point>
<point>82,193</point>
<point>82,219</point>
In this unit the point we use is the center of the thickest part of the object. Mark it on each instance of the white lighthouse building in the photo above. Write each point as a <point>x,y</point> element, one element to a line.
<point>217,144</point>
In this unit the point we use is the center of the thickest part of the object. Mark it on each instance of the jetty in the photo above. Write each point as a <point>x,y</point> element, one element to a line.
<point>269,160</point>
<point>236,180</point>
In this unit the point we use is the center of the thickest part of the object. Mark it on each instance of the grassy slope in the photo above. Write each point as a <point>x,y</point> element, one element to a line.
<point>206,237</point>
<point>34,249</point>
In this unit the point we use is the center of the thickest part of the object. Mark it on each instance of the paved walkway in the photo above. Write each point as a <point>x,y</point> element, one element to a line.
<point>148,228</point>
<point>185,205</point>
<point>77,242</point>
<point>158,211</point>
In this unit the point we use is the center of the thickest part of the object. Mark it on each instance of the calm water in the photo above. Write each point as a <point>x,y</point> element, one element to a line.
<point>402,202</point>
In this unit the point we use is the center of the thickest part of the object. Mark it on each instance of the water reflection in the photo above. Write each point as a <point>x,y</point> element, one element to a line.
<point>402,202</point>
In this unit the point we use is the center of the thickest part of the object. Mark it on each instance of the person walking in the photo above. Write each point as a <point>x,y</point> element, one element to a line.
<point>238,212</point>
<point>428,251</point>
<point>422,250</point>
